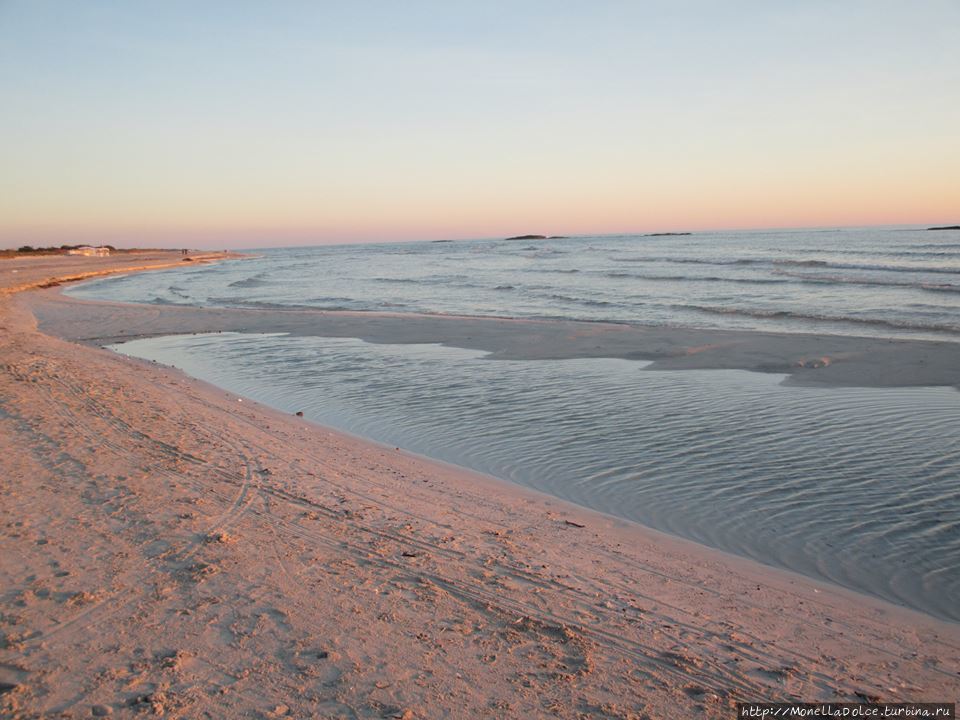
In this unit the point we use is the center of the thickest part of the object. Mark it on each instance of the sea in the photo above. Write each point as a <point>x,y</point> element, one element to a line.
<point>855,486</point>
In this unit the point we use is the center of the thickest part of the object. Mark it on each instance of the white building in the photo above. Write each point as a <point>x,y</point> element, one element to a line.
<point>89,251</point>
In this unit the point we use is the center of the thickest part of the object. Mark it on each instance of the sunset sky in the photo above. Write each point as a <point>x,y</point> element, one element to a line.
<point>244,124</point>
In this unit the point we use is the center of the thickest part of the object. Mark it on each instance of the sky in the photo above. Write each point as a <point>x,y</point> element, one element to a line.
<point>248,124</point>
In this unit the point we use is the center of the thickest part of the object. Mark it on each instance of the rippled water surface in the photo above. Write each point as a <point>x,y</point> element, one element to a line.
<point>857,486</point>
<point>886,282</point>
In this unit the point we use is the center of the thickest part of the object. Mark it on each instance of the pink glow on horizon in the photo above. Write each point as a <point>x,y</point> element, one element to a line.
<point>238,238</point>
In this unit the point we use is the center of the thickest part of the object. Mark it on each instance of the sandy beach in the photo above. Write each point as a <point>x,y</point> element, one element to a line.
<point>172,549</point>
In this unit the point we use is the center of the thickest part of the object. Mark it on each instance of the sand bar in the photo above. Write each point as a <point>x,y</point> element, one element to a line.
<point>170,549</point>
<point>807,359</point>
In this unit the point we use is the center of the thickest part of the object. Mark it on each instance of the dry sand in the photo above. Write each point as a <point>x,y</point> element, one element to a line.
<point>168,549</point>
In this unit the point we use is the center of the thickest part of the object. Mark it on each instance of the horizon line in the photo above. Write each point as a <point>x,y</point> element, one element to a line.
<point>559,236</point>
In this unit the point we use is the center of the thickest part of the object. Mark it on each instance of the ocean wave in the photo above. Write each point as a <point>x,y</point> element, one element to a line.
<point>790,315</point>
<point>690,261</point>
<point>250,282</point>
<point>580,301</point>
<point>319,303</point>
<point>944,287</point>
<point>323,300</point>
<point>895,268</point>
<point>924,253</point>
<point>933,251</point>
<point>775,262</point>
<point>938,246</point>
<point>698,278</point>
<point>236,302</point>
<point>802,263</point>
<point>450,280</point>
<point>844,280</point>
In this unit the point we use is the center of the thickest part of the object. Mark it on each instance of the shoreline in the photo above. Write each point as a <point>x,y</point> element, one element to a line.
<point>34,272</point>
<point>226,557</point>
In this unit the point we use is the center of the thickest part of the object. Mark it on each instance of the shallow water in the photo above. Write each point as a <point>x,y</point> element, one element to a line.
<point>857,486</point>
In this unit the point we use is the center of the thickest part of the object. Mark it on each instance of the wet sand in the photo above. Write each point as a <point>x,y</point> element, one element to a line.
<point>170,548</point>
<point>830,360</point>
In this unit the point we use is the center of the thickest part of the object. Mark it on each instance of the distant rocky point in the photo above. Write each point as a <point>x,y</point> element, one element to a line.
<point>666,234</point>
<point>538,237</point>
<point>946,227</point>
